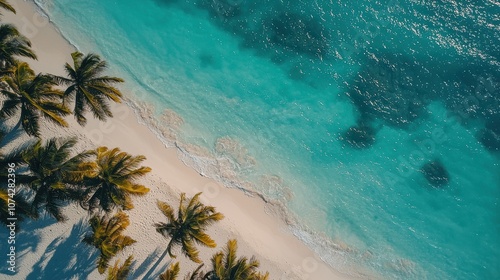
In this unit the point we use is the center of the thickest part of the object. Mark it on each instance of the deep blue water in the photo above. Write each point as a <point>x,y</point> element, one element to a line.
<point>334,108</point>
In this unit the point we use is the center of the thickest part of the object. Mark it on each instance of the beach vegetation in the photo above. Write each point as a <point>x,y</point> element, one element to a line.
<point>88,88</point>
<point>13,45</point>
<point>51,171</point>
<point>188,227</point>
<point>22,207</point>
<point>171,273</point>
<point>436,174</point>
<point>4,4</point>
<point>197,274</point>
<point>120,271</point>
<point>360,136</point>
<point>50,175</point>
<point>111,181</point>
<point>32,97</point>
<point>107,237</point>
<point>226,266</point>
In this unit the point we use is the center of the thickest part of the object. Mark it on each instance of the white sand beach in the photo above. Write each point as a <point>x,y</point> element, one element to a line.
<point>54,250</point>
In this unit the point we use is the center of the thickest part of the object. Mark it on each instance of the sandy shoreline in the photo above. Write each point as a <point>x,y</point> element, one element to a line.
<point>258,232</point>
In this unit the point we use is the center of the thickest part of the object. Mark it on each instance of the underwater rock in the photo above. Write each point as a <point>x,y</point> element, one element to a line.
<point>223,9</point>
<point>435,173</point>
<point>359,136</point>
<point>298,33</point>
<point>473,93</point>
<point>390,88</point>
<point>490,140</point>
<point>490,136</point>
<point>207,60</point>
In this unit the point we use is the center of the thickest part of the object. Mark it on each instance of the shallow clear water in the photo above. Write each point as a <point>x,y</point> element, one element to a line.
<point>272,87</point>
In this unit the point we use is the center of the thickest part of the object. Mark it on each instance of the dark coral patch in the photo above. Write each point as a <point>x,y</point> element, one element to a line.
<point>391,89</point>
<point>473,93</point>
<point>359,136</point>
<point>435,173</point>
<point>222,9</point>
<point>297,33</point>
<point>490,140</point>
<point>206,60</point>
<point>490,135</point>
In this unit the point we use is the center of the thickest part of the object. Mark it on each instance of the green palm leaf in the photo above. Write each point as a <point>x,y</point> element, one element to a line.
<point>88,88</point>
<point>227,266</point>
<point>111,182</point>
<point>12,45</point>
<point>107,237</point>
<point>188,228</point>
<point>171,273</point>
<point>196,274</point>
<point>120,272</point>
<point>5,5</point>
<point>34,96</point>
<point>23,208</point>
<point>51,173</point>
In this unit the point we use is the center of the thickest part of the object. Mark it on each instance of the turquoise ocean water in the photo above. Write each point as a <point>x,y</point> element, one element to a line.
<point>332,108</point>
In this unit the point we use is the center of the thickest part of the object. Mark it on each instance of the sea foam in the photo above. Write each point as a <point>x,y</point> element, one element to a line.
<point>247,101</point>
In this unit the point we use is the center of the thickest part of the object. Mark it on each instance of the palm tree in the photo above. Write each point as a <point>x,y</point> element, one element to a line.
<point>111,182</point>
<point>120,272</point>
<point>22,208</point>
<point>34,96</point>
<point>226,266</point>
<point>13,44</point>
<point>107,237</point>
<point>4,210</point>
<point>188,227</point>
<point>5,5</point>
<point>196,274</point>
<point>88,87</point>
<point>51,171</point>
<point>171,273</point>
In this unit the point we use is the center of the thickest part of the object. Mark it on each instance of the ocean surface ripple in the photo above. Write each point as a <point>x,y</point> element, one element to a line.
<point>375,123</point>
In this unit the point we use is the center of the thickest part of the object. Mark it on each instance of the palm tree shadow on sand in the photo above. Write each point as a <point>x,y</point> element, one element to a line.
<point>149,269</point>
<point>27,238</point>
<point>66,257</point>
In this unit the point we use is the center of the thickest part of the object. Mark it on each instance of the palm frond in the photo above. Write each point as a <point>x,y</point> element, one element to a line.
<point>111,183</point>
<point>118,271</point>
<point>196,274</point>
<point>107,237</point>
<point>23,208</point>
<point>13,44</point>
<point>203,239</point>
<point>227,266</point>
<point>30,121</point>
<point>88,87</point>
<point>166,210</point>
<point>60,80</point>
<point>50,167</point>
<point>188,227</point>
<point>10,108</point>
<point>190,251</point>
<point>5,5</point>
<point>171,273</point>
<point>34,96</point>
